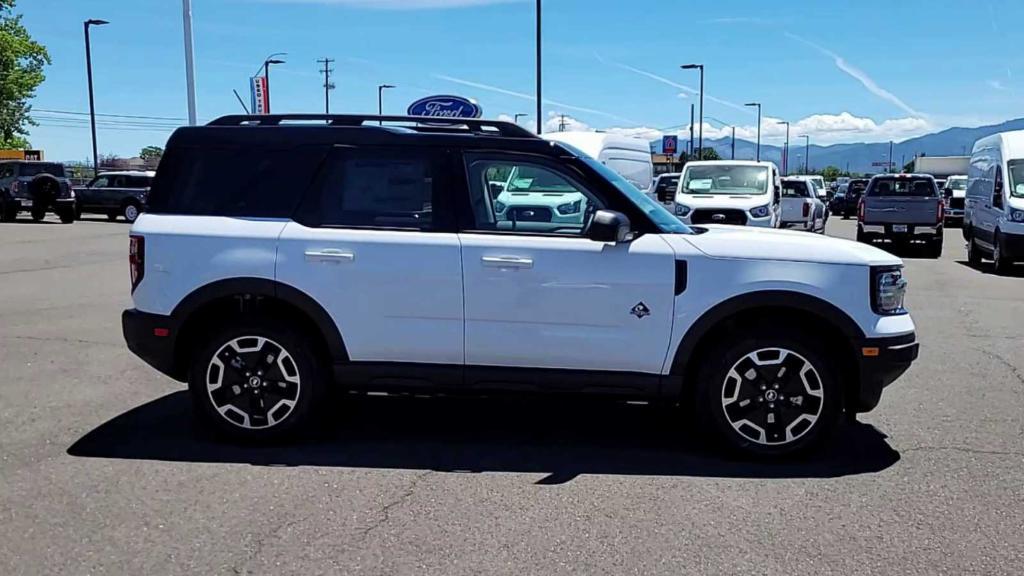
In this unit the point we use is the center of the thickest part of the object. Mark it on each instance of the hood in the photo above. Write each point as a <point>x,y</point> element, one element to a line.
<point>750,243</point>
<point>741,201</point>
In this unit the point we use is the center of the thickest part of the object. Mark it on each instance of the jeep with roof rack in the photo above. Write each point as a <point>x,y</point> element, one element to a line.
<point>339,253</point>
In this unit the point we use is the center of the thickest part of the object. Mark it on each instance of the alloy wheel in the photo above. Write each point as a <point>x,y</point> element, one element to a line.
<point>253,382</point>
<point>772,396</point>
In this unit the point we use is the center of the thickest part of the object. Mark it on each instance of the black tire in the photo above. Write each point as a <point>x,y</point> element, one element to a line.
<point>295,375</point>
<point>860,235</point>
<point>974,255</point>
<point>8,213</point>
<point>38,215</point>
<point>112,216</point>
<point>770,392</point>
<point>846,216</point>
<point>1000,263</point>
<point>67,215</point>
<point>935,248</point>
<point>130,211</point>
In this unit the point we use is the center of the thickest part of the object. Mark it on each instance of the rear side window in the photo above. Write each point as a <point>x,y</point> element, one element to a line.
<point>666,189</point>
<point>903,187</point>
<point>794,189</point>
<point>378,187</point>
<point>234,181</point>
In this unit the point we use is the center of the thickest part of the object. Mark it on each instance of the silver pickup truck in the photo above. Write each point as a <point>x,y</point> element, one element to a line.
<point>902,208</point>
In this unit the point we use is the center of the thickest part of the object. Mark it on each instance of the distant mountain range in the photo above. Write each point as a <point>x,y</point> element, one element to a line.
<point>859,157</point>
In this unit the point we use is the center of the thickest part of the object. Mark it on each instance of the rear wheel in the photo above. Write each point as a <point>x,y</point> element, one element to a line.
<point>38,214</point>
<point>258,380</point>
<point>860,235</point>
<point>130,211</point>
<point>8,213</point>
<point>974,256</point>
<point>773,391</point>
<point>67,215</point>
<point>935,248</point>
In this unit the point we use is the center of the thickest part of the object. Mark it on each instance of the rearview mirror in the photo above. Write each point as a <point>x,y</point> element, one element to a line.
<point>609,226</point>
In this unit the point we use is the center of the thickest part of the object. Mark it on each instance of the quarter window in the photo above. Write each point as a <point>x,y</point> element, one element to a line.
<point>528,197</point>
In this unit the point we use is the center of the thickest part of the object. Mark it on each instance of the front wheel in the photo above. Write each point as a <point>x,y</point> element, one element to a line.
<point>38,215</point>
<point>774,391</point>
<point>1000,262</point>
<point>258,380</point>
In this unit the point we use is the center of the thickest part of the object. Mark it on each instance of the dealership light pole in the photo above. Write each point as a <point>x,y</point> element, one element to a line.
<point>691,133</point>
<point>785,152</point>
<point>380,100</point>
<point>700,138</point>
<point>733,142</point>
<point>518,116</point>
<point>266,72</point>
<point>888,168</point>
<point>92,106</point>
<point>807,153</point>
<point>190,69</point>
<point>540,105</point>
<point>758,104</point>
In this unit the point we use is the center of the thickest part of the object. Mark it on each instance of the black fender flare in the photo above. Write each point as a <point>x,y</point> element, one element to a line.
<point>267,288</point>
<point>713,317</point>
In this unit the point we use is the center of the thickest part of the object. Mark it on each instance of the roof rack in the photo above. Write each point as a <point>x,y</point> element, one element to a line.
<point>420,123</point>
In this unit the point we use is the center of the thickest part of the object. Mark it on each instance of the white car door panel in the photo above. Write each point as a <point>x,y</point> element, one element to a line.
<point>567,302</point>
<point>396,296</point>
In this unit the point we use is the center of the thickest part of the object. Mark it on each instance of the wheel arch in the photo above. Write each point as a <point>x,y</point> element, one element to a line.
<point>811,312</point>
<point>232,296</point>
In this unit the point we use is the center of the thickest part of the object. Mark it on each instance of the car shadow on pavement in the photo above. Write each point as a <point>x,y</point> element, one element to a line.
<point>988,269</point>
<point>556,438</point>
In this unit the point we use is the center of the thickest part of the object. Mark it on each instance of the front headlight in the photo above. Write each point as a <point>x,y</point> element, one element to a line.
<point>1016,215</point>
<point>761,211</point>
<point>888,287</point>
<point>570,208</point>
<point>682,210</point>
<point>499,206</point>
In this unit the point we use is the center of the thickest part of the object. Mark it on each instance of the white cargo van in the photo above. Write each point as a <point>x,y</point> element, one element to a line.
<point>744,193</point>
<point>994,210</point>
<point>629,157</point>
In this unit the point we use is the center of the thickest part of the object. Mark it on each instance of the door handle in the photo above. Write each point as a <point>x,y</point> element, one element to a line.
<point>507,262</point>
<point>329,255</point>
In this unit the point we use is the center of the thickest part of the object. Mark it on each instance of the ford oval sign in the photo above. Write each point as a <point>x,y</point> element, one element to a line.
<point>445,107</point>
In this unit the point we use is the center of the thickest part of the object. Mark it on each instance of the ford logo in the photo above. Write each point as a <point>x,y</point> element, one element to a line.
<point>718,217</point>
<point>445,107</point>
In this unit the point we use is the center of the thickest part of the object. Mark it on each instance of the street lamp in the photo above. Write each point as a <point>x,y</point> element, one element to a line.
<point>807,153</point>
<point>518,116</point>
<point>785,157</point>
<point>758,104</point>
<point>700,131</point>
<point>380,100</point>
<point>266,72</point>
<point>540,112</point>
<point>92,105</point>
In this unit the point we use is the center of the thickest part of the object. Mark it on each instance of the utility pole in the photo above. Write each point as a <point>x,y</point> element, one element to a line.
<point>328,86</point>
<point>561,123</point>
<point>691,134</point>
<point>733,142</point>
<point>889,168</point>
<point>758,104</point>
<point>807,153</point>
<point>190,75</point>
<point>540,101</point>
<point>785,152</point>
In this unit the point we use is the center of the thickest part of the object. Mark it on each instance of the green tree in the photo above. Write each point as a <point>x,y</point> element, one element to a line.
<point>908,167</point>
<point>830,173</point>
<point>709,154</point>
<point>21,71</point>
<point>151,153</point>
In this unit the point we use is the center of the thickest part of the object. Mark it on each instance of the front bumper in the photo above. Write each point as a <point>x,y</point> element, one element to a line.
<point>881,362</point>
<point>1012,245</point>
<point>152,338</point>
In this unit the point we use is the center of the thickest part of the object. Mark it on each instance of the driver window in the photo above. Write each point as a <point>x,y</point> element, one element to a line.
<point>514,196</point>
<point>101,182</point>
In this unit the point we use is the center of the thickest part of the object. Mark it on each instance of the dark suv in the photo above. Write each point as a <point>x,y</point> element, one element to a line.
<point>115,194</point>
<point>35,187</point>
<point>845,201</point>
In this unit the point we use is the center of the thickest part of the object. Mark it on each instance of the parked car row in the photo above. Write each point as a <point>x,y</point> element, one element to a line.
<point>40,187</point>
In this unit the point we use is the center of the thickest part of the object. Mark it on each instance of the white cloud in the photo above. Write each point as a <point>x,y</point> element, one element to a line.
<point>859,75</point>
<point>402,4</point>
<point>996,84</point>
<point>685,89</point>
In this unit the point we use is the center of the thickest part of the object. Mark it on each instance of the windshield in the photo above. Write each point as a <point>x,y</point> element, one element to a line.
<point>957,183</point>
<point>662,218</point>
<point>725,179</point>
<point>37,168</point>
<point>529,179</point>
<point>902,187</point>
<point>1016,173</point>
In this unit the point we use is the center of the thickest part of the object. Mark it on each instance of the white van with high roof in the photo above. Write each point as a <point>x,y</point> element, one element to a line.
<point>628,156</point>
<point>739,192</point>
<point>994,207</point>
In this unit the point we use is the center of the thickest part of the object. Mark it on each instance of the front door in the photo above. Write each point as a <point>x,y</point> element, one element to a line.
<point>369,246</point>
<point>540,294</point>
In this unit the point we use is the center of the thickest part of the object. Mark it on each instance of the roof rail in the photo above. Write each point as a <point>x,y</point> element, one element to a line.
<point>432,124</point>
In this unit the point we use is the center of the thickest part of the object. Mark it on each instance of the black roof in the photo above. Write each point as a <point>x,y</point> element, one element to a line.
<point>287,130</point>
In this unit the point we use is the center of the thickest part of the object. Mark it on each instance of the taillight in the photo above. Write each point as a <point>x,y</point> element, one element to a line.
<point>941,212</point>
<point>807,209</point>
<point>136,259</point>
<point>860,210</point>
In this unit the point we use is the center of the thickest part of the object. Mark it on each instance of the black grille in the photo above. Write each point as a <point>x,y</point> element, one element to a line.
<point>726,216</point>
<point>529,213</point>
<point>956,203</point>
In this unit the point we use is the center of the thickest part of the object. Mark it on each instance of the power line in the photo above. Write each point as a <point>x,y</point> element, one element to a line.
<point>107,115</point>
<point>328,85</point>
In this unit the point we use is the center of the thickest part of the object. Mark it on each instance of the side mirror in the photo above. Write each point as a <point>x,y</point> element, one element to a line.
<point>609,226</point>
<point>997,194</point>
<point>496,188</point>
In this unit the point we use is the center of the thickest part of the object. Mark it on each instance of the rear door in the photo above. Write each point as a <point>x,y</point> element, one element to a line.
<point>794,195</point>
<point>902,200</point>
<point>540,294</point>
<point>374,243</point>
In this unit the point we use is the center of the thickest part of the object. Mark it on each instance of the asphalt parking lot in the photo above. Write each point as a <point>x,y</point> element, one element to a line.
<point>103,472</point>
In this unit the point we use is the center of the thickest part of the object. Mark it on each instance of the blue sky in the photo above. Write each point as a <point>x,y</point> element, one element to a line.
<point>839,71</point>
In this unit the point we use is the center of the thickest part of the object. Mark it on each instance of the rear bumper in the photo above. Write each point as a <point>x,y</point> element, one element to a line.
<point>152,338</point>
<point>882,361</point>
<point>913,231</point>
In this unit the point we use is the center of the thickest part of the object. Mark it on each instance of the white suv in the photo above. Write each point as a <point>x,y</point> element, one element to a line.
<point>278,259</point>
